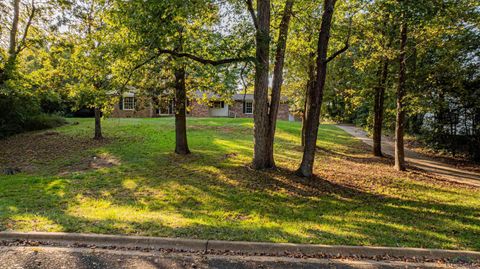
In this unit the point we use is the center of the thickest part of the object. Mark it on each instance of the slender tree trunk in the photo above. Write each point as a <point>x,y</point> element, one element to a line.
<point>304,117</point>
<point>316,93</point>
<point>310,83</point>
<point>378,108</point>
<point>278,79</point>
<point>98,123</point>
<point>13,31</point>
<point>260,104</point>
<point>401,91</point>
<point>181,145</point>
<point>12,46</point>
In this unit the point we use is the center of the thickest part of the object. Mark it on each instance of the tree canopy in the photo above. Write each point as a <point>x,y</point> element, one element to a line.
<point>395,66</point>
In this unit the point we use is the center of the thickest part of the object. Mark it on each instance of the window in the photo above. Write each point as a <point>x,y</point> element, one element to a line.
<point>218,104</point>
<point>128,103</point>
<point>248,107</point>
<point>166,106</point>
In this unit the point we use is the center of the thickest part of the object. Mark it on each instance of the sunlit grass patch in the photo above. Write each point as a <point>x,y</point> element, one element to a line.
<point>134,184</point>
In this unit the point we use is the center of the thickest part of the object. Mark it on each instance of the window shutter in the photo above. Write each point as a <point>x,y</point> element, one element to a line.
<point>120,104</point>
<point>244,107</point>
<point>222,104</point>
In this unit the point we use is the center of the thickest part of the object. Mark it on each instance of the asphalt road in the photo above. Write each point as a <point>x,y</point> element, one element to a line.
<point>84,258</point>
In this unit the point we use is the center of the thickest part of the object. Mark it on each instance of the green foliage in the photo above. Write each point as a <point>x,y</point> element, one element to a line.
<point>112,45</point>
<point>15,111</point>
<point>442,67</point>
<point>44,121</point>
<point>192,27</point>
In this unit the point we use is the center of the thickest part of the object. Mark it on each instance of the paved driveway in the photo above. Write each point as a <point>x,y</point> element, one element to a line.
<point>444,170</point>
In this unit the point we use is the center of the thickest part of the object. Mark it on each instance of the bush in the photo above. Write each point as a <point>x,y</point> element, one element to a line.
<point>15,110</point>
<point>44,121</point>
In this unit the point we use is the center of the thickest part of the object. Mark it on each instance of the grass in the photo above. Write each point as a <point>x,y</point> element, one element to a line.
<point>132,183</point>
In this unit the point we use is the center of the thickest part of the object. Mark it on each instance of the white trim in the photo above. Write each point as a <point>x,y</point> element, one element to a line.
<point>219,103</point>
<point>133,97</point>
<point>245,104</point>
<point>128,94</point>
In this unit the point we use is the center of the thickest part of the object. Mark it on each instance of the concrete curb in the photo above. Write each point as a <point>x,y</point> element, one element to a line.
<point>108,240</point>
<point>252,248</point>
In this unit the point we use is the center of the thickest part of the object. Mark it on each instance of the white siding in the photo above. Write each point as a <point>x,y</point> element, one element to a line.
<point>218,112</point>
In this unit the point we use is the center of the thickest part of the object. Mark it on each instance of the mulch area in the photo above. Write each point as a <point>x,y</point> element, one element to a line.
<point>28,152</point>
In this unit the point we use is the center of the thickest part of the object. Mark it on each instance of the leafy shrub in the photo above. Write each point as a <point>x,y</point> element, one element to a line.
<point>15,110</point>
<point>44,121</point>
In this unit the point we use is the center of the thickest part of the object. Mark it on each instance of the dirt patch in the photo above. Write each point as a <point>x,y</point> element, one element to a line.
<point>230,155</point>
<point>30,151</point>
<point>103,160</point>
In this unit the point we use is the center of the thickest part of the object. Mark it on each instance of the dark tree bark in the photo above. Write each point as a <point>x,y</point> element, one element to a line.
<point>316,93</point>
<point>98,124</point>
<point>181,145</point>
<point>378,108</point>
<point>304,115</point>
<point>260,104</point>
<point>278,79</point>
<point>310,83</point>
<point>401,91</point>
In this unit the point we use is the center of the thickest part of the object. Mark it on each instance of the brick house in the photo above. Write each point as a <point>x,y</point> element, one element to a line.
<point>239,106</point>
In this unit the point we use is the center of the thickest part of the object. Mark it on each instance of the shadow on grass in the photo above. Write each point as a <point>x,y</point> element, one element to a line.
<point>212,194</point>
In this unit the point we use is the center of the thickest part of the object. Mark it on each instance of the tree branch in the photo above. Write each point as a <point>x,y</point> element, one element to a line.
<point>338,52</point>
<point>186,55</point>
<point>252,13</point>
<point>204,61</point>
<point>22,43</point>
<point>135,68</point>
<point>345,48</point>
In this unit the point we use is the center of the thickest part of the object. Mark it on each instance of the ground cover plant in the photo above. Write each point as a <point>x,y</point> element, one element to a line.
<point>132,183</point>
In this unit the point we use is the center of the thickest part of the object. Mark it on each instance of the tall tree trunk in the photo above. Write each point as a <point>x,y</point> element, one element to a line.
<point>316,93</point>
<point>304,116</point>
<point>98,123</point>
<point>401,91</point>
<point>260,97</point>
<point>181,145</point>
<point>13,31</point>
<point>12,46</point>
<point>378,108</point>
<point>310,83</point>
<point>278,79</point>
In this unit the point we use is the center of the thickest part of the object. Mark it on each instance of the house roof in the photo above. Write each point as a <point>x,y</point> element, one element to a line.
<point>240,97</point>
<point>235,97</point>
<point>209,95</point>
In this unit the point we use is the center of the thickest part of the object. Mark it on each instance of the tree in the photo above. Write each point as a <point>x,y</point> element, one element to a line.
<point>278,78</point>
<point>23,32</point>
<point>265,112</point>
<point>383,38</point>
<point>16,43</point>
<point>94,65</point>
<point>260,95</point>
<point>400,122</point>
<point>315,94</point>
<point>183,31</point>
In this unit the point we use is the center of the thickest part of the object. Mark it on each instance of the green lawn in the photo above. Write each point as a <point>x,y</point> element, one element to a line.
<point>136,185</point>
